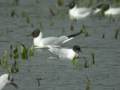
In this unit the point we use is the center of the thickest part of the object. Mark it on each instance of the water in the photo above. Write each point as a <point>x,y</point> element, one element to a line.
<point>61,74</point>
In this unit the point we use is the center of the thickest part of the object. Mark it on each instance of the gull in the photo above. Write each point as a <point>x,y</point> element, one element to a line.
<point>40,42</point>
<point>76,12</point>
<point>6,79</point>
<point>66,53</point>
<point>107,10</point>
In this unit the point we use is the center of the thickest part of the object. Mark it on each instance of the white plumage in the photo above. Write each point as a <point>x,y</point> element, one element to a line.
<point>65,53</point>
<point>79,13</point>
<point>4,81</point>
<point>83,12</point>
<point>112,11</point>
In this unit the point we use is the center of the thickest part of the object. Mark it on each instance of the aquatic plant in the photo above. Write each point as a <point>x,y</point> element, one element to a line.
<point>84,31</point>
<point>52,12</point>
<point>86,34</point>
<point>15,2</point>
<point>117,1</point>
<point>60,2</point>
<point>15,53</point>
<point>74,61</point>
<point>14,68</point>
<point>25,15</point>
<point>31,51</point>
<point>13,13</point>
<point>0,61</point>
<point>8,60</point>
<point>90,2</point>
<point>72,27</point>
<point>86,64</point>
<point>116,33</point>
<point>88,84</point>
<point>93,58</point>
<point>28,19</point>
<point>5,63</point>
<point>52,23</point>
<point>38,81</point>
<point>37,1</point>
<point>4,59</point>
<point>41,25</point>
<point>103,36</point>
<point>62,13</point>
<point>24,52</point>
<point>11,51</point>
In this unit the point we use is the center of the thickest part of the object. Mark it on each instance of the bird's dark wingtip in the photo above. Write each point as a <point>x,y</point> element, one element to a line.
<point>74,35</point>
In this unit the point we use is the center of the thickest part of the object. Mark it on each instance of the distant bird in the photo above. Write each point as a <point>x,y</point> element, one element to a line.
<point>40,42</point>
<point>6,79</point>
<point>76,12</point>
<point>106,9</point>
<point>66,53</point>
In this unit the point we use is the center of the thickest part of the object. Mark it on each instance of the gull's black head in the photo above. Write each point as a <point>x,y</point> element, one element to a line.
<point>35,33</point>
<point>77,48</point>
<point>71,4</point>
<point>103,6</point>
<point>11,81</point>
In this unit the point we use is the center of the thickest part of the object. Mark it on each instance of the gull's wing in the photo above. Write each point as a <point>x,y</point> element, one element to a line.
<point>55,40</point>
<point>61,52</point>
<point>54,50</point>
<point>83,11</point>
<point>50,40</point>
<point>62,39</point>
<point>59,40</point>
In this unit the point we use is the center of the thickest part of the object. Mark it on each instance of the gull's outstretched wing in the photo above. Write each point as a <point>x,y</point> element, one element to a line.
<point>59,40</point>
